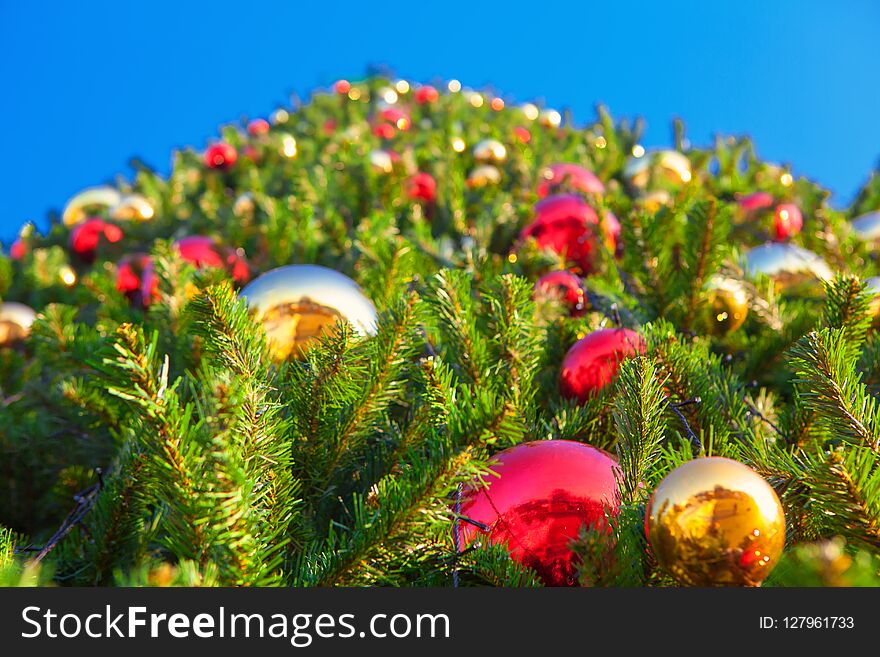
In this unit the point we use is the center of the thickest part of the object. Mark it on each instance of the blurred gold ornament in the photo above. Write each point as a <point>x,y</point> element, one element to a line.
<point>279,116</point>
<point>715,522</point>
<point>458,144</point>
<point>388,95</point>
<point>454,86</point>
<point>298,303</point>
<point>381,161</point>
<point>490,151</point>
<point>867,226</point>
<point>89,201</point>
<point>401,86</point>
<point>653,201</point>
<point>132,207</point>
<point>530,110</point>
<point>792,268</point>
<point>664,169</point>
<point>244,205</point>
<point>484,175</point>
<point>550,118</point>
<point>725,305</point>
<point>15,322</point>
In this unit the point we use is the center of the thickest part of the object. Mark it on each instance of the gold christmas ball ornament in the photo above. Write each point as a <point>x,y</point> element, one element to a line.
<point>550,118</point>
<point>867,226</point>
<point>490,151</point>
<point>715,522</point>
<point>89,202</point>
<point>298,303</point>
<point>793,268</point>
<point>132,207</point>
<point>725,305</point>
<point>483,176</point>
<point>15,322</point>
<point>663,169</point>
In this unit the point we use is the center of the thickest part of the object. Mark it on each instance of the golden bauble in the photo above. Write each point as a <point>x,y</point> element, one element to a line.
<point>15,322</point>
<point>133,207</point>
<point>793,268</point>
<point>664,169</point>
<point>715,522</point>
<point>725,305</point>
<point>550,118</point>
<point>89,202</point>
<point>490,151</point>
<point>867,226</point>
<point>484,175</point>
<point>298,303</point>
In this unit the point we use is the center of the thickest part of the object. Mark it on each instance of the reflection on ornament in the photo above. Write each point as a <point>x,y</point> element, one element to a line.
<point>725,305</point>
<point>662,169</point>
<point>484,175</point>
<point>715,522</point>
<point>490,151</point>
<point>566,287</point>
<point>15,322</point>
<point>544,492</point>
<point>790,266</point>
<point>867,226</point>
<point>572,175</point>
<point>88,203</point>
<point>298,303</point>
<point>132,207</point>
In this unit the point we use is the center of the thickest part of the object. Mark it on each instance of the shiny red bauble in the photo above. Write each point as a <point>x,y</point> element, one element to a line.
<point>592,361</point>
<point>137,280</point>
<point>384,130</point>
<point>396,117</point>
<point>18,250</point>
<point>787,220</point>
<point>426,94</point>
<point>755,201</point>
<point>566,224</point>
<point>545,492</point>
<point>567,287</point>
<point>207,252</point>
<point>342,86</point>
<point>85,237</point>
<point>422,187</point>
<point>220,156</point>
<point>573,176</point>
<point>522,134</point>
<point>258,127</point>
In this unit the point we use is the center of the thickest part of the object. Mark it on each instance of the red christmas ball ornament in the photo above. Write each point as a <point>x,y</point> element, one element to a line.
<point>18,250</point>
<point>573,176</point>
<point>329,127</point>
<point>422,187</point>
<point>426,94</point>
<point>220,156</point>
<point>384,130</point>
<point>137,280</point>
<point>85,237</point>
<point>544,493</point>
<point>258,127</point>
<point>592,361</point>
<point>342,86</point>
<point>396,117</point>
<point>566,224</point>
<point>567,287</point>
<point>207,252</point>
<point>788,221</point>
<point>756,201</point>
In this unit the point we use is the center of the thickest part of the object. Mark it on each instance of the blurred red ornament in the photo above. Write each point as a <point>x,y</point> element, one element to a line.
<point>384,130</point>
<point>567,287</point>
<point>522,133</point>
<point>426,94</point>
<point>755,201</point>
<point>571,175</point>
<point>545,492</point>
<point>251,153</point>
<point>422,187</point>
<point>592,361</point>
<point>396,117</point>
<point>207,252</point>
<point>497,104</point>
<point>342,86</point>
<point>329,127</point>
<point>220,156</point>
<point>258,127</point>
<point>85,237</point>
<point>566,224</point>
<point>137,280</point>
<point>18,250</point>
<point>787,220</point>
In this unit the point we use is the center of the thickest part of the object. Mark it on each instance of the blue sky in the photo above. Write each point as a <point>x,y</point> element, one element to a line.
<point>88,85</point>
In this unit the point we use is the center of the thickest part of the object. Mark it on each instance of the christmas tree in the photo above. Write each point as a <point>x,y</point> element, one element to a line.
<point>517,337</point>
